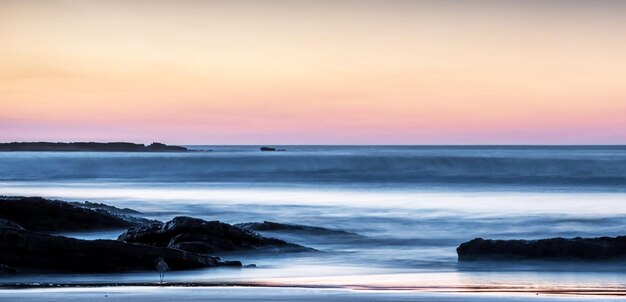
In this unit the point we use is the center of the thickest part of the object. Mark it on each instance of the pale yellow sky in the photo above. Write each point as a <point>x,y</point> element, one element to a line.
<point>411,72</point>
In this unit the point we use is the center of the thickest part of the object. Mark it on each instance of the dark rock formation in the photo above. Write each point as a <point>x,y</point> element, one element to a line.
<point>271,149</point>
<point>39,214</point>
<point>89,147</point>
<point>35,252</point>
<point>268,226</point>
<point>7,270</point>
<point>158,147</point>
<point>200,236</point>
<point>601,248</point>
<point>106,207</point>
<point>9,224</point>
<point>127,214</point>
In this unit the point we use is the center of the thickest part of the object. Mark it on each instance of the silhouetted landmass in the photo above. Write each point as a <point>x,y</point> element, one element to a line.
<point>45,215</point>
<point>600,248</point>
<point>27,252</point>
<point>201,236</point>
<point>90,147</point>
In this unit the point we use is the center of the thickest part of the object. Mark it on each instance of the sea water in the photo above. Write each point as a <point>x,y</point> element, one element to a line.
<point>411,206</point>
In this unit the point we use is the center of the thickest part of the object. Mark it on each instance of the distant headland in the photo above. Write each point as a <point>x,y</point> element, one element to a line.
<point>89,147</point>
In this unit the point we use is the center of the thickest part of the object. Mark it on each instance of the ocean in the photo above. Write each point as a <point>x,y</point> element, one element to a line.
<point>409,207</point>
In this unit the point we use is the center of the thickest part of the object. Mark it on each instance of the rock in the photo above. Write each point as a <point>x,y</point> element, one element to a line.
<point>269,226</point>
<point>44,215</point>
<point>89,147</point>
<point>271,149</point>
<point>7,270</point>
<point>200,236</point>
<point>9,224</point>
<point>127,214</point>
<point>163,147</point>
<point>106,207</point>
<point>601,248</point>
<point>31,252</point>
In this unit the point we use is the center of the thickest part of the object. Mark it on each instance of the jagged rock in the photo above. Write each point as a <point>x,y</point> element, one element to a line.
<point>127,214</point>
<point>7,270</point>
<point>601,248</point>
<point>200,236</point>
<point>9,224</point>
<point>106,207</point>
<point>39,214</point>
<point>269,226</point>
<point>28,251</point>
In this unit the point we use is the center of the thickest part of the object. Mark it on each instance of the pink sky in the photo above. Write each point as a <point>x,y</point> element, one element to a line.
<point>313,72</point>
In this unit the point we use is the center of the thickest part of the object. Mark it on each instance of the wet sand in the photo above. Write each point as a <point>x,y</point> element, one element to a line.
<point>158,294</point>
<point>276,292</point>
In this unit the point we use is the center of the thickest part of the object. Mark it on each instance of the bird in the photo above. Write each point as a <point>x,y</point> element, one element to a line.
<point>162,267</point>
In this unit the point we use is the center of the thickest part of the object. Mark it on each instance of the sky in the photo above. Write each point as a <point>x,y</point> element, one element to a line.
<point>313,72</point>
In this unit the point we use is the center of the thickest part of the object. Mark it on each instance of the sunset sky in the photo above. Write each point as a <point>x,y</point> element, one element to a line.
<point>314,72</point>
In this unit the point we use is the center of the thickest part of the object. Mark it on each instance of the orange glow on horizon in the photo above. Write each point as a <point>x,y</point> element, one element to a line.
<point>310,72</point>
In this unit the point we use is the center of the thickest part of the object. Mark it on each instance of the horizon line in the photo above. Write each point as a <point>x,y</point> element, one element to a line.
<point>346,145</point>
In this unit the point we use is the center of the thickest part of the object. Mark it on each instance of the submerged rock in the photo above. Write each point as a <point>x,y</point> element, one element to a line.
<point>40,214</point>
<point>201,236</point>
<point>601,248</point>
<point>28,251</point>
<point>269,226</point>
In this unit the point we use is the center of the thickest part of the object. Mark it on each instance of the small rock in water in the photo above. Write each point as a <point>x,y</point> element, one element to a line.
<point>600,248</point>
<point>271,149</point>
